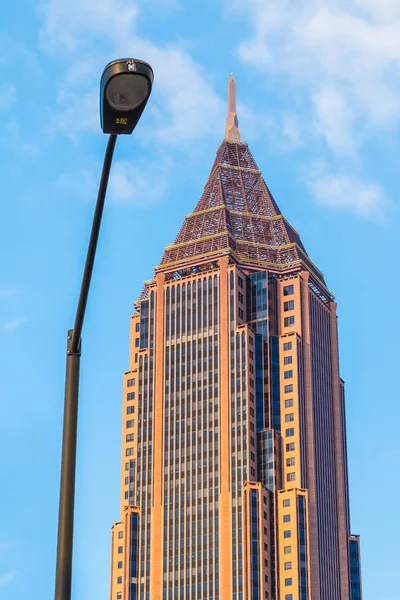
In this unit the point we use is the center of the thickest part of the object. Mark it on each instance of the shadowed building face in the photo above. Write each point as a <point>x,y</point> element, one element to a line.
<point>234,468</point>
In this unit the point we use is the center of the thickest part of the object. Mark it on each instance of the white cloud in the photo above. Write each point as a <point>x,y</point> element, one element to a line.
<point>8,95</point>
<point>338,64</point>
<point>12,324</point>
<point>342,192</point>
<point>83,183</point>
<point>344,56</point>
<point>78,115</point>
<point>71,25</point>
<point>141,184</point>
<point>292,130</point>
<point>7,578</point>
<point>184,107</point>
<point>334,120</point>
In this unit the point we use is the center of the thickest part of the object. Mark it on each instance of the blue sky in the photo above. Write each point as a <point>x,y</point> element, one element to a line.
<point>319,103</point>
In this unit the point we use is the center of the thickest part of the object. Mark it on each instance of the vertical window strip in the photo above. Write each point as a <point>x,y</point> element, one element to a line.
<point>178,311</point>
<point>183,309</point>
<point>199,305</point>
<point>167,313</point>
<point>173,309</point>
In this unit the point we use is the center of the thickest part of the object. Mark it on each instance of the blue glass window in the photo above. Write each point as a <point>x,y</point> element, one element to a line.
<point>288,290</point>
<point>288,305</point>
<point>355,576</point>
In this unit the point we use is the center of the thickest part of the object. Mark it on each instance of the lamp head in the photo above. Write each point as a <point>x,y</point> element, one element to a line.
<point>125,87</point>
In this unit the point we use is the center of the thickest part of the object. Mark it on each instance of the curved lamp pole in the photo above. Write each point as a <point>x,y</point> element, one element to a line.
<point>125,88</point>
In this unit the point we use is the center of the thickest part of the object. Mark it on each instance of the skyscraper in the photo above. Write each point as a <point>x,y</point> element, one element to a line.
<point>234,469</point>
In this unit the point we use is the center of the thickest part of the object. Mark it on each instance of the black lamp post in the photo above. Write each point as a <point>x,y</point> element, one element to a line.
<point>125,88</point>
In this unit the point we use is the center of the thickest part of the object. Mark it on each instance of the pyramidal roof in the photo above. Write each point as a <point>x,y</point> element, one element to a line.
<point>237,214</point>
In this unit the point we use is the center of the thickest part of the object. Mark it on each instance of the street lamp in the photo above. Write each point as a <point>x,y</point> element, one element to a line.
<point>125,88</point>
<point>123,97</point>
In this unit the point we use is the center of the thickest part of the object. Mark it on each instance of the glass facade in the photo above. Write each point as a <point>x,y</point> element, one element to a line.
<point>275,383</point>
<point>144,460</point>
<point>324,451</point>
<point>269,459</point>
<point>134,557</point>
<point>255,546</point>
<point>191,440</point>
<point>302,548</point>
<point>238,392</point>
<point>355,568</point>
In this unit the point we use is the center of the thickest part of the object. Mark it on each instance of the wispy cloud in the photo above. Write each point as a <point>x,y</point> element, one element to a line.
<point>184,107</point>
<point>12,324</point>
<point>334,120</point>
<point>72,25</point>
<point>343,192</point>
<point>7,578</point>
<point>343,55</point>
<point>142,184</point>
<point>83,183</point>
<point>8,95</point>
<point>340,60</point>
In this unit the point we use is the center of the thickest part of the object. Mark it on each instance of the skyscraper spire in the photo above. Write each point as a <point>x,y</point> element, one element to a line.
<point>232,131</point>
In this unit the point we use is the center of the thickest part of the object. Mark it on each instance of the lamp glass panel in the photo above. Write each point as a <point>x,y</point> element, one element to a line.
<point>127,91</point>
